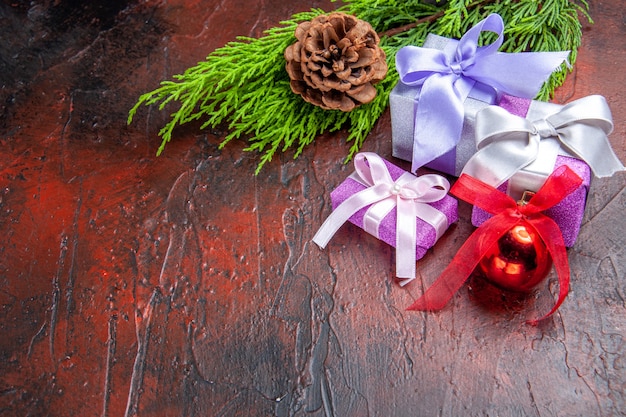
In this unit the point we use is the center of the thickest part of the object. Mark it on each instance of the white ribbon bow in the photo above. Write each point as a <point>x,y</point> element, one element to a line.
<point>409,194</point>
<point>507,143</point>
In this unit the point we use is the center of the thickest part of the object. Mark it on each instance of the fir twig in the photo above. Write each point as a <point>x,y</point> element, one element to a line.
<point>244,85</point>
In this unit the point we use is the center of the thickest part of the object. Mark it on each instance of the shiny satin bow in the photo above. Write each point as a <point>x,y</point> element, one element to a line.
<point>446,83</point>
<point>408,194</point>
<point>507,213</point>
<point>507,143</point>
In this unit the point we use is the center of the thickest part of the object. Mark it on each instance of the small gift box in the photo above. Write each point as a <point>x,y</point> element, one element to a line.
<point>409,213</point>
<point>521,142</point>
<point>442,86</point>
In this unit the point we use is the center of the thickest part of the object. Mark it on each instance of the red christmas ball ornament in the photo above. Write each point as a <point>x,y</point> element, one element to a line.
<point>518,261</point>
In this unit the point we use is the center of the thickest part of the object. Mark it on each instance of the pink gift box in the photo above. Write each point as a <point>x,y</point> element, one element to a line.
<point>568,214</point>
<point>426,235</point>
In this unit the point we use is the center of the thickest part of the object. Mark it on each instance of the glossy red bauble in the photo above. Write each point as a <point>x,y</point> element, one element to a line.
<point>518,261</point>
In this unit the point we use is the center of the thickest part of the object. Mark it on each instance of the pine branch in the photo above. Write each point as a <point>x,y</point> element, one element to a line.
<point>408,26</point>
<point>244,85</point>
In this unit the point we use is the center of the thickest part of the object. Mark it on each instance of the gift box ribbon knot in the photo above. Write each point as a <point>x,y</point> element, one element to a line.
<point>409,195</point>
<point>446,83</point>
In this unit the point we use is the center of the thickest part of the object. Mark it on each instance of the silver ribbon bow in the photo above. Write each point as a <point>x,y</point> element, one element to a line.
<point>507,143</point>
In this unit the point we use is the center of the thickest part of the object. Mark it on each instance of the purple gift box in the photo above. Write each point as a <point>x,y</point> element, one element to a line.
<point>426,235</point>
<point>568,214</point>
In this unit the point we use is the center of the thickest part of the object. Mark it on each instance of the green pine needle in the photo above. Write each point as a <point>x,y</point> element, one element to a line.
<point>244,83</point>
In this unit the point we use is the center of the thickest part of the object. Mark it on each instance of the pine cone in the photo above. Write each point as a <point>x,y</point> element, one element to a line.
<point>335,62</point>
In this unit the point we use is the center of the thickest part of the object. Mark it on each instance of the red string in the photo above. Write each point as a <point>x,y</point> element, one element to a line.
<point>507,213</point>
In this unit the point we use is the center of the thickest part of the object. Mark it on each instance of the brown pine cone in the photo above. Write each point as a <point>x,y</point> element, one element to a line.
<point>335,62</point>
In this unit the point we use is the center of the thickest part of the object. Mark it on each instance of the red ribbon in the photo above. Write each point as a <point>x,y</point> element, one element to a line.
<point>507,213</point>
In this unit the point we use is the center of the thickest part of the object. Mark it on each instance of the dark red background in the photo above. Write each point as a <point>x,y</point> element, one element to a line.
<point>185,285</point>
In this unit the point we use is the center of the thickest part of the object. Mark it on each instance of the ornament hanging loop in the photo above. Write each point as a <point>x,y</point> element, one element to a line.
<point>526,196</point>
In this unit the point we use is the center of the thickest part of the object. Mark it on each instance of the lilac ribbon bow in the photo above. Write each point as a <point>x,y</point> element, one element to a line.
<point>507,143</point>
<point>409,194</point>
<point>447,81</point>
